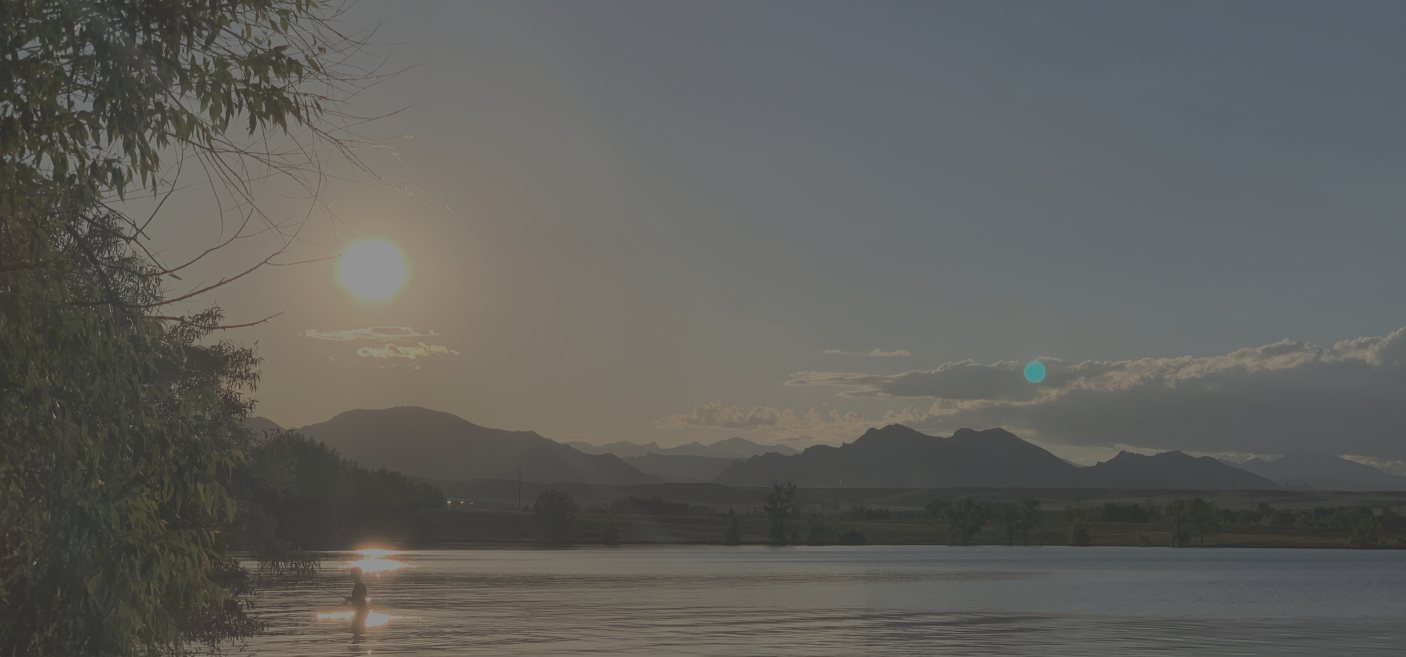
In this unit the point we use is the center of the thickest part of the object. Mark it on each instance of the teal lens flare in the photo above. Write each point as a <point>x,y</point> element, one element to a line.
<point>1034,371</point>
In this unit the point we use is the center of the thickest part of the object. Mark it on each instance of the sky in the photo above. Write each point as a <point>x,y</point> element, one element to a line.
<point>792,221</point>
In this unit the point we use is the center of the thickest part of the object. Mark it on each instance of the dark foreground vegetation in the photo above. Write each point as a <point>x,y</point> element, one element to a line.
<point>784,515</point>
<point>121,406</point>
<point>295,494</point>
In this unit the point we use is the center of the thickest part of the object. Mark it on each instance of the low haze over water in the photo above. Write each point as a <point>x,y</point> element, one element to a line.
<point>854,601</point>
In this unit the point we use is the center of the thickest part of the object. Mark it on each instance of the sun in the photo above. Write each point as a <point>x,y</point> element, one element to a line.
<point>372,269</point>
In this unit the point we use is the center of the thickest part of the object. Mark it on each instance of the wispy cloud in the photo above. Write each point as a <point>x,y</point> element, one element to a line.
<point>372,333</point>
<point>1269,399</point>
<point>871,353</point>
<point>414,351</point>
<point>398,343</point>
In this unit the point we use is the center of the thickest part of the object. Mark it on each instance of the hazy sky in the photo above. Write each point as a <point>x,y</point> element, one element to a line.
<point>672,221</point>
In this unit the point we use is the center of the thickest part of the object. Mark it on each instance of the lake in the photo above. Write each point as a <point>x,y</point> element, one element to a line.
<point>900,600</point>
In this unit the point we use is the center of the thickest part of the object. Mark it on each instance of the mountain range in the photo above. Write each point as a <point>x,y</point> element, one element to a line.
<point>897,456</point>
<point>1324,472</point>
<point>440,446</point>
<point>730,448</point>
<point>691,462</point>
<point>444,447</point>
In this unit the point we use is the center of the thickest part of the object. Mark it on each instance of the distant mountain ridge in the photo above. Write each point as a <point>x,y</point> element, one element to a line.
<point>444,447</point>
<point>441,446</point>
<point>261,425</point>
<point>680,468</point>
<point>729,448</point>
<point>1172,470</point>
<point>1324,472</point>
<point>897,456</point>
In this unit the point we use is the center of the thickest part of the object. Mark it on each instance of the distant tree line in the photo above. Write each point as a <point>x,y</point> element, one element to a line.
<point>654,506</point>
<point>965,520</point>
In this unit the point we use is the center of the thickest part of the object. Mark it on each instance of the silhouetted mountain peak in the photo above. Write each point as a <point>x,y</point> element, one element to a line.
<point>987,436</point>
<point>1174,469</point>
<point>892,432</point>
<point>899,456</point>
<point>260,425</point>
<point>415,414</point>
<point>443,446</point>
<point>1323,471</point>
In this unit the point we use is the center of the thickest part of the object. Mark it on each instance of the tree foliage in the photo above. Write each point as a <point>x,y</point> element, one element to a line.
<point>116,433</point>
<point>610,534</point>
<point>780,508</point>
<point>965,518</point>
<point>1080,530</point>
<point>295,493</point>
<point>1192,517</point>
<point>733,534</point>
<point>1018,518</point>
<point>120,427</point>
<point>556,513</point>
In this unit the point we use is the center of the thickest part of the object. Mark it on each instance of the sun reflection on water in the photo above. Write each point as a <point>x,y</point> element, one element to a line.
<point>373,619</point>
<point>374,561</point>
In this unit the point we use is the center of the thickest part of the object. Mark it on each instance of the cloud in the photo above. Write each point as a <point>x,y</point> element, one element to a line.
<point>813,425</point>
<point>373,333</point>
<point>398,343</point>
<point>1349,397</point>
<point>414,351</point>
<point>960,380</point>
<point>872,353</point>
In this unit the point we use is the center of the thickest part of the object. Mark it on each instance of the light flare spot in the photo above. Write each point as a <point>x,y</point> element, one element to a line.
<point>1034,371</point>
<point>373,269</point>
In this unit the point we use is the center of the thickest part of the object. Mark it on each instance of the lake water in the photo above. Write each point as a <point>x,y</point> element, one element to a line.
<point>853,601</point>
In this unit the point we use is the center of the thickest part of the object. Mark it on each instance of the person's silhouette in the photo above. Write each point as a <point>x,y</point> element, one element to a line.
<point>358,603</point>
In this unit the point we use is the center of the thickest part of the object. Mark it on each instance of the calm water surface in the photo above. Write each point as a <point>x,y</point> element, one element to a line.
<point>854,601</point>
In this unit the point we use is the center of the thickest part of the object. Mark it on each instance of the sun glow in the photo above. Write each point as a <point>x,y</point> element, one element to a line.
<point>372,269</point>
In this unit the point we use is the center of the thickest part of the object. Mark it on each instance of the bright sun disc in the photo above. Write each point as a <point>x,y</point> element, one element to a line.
<point>372,269</point>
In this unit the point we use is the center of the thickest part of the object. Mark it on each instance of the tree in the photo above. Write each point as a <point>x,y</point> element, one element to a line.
<point>555,512</point>
<point>733,535</point>
<point>1367,533</point>
<point>120,424</point>
<point>294,493</point>
<point>1179,523</point>
<point>780,508</point>
<point>817,532</point>
<point>1080,534</point>
<point>1018,518</point>
<point>1191,517</point>
<point>965,518</point>
<point>1029,517</point>
<point>1205,518</point>
<point>610,535</point>
<point>1008,518</point>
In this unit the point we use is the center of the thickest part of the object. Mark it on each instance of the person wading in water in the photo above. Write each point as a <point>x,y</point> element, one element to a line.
<point>358,603</point>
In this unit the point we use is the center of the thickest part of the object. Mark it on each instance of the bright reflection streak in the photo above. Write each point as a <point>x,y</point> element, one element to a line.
<point>373,619</point>
<point>377,566</point>
<point>374,562</point>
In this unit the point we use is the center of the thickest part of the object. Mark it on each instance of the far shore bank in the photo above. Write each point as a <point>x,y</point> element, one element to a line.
<point>509,529</point>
